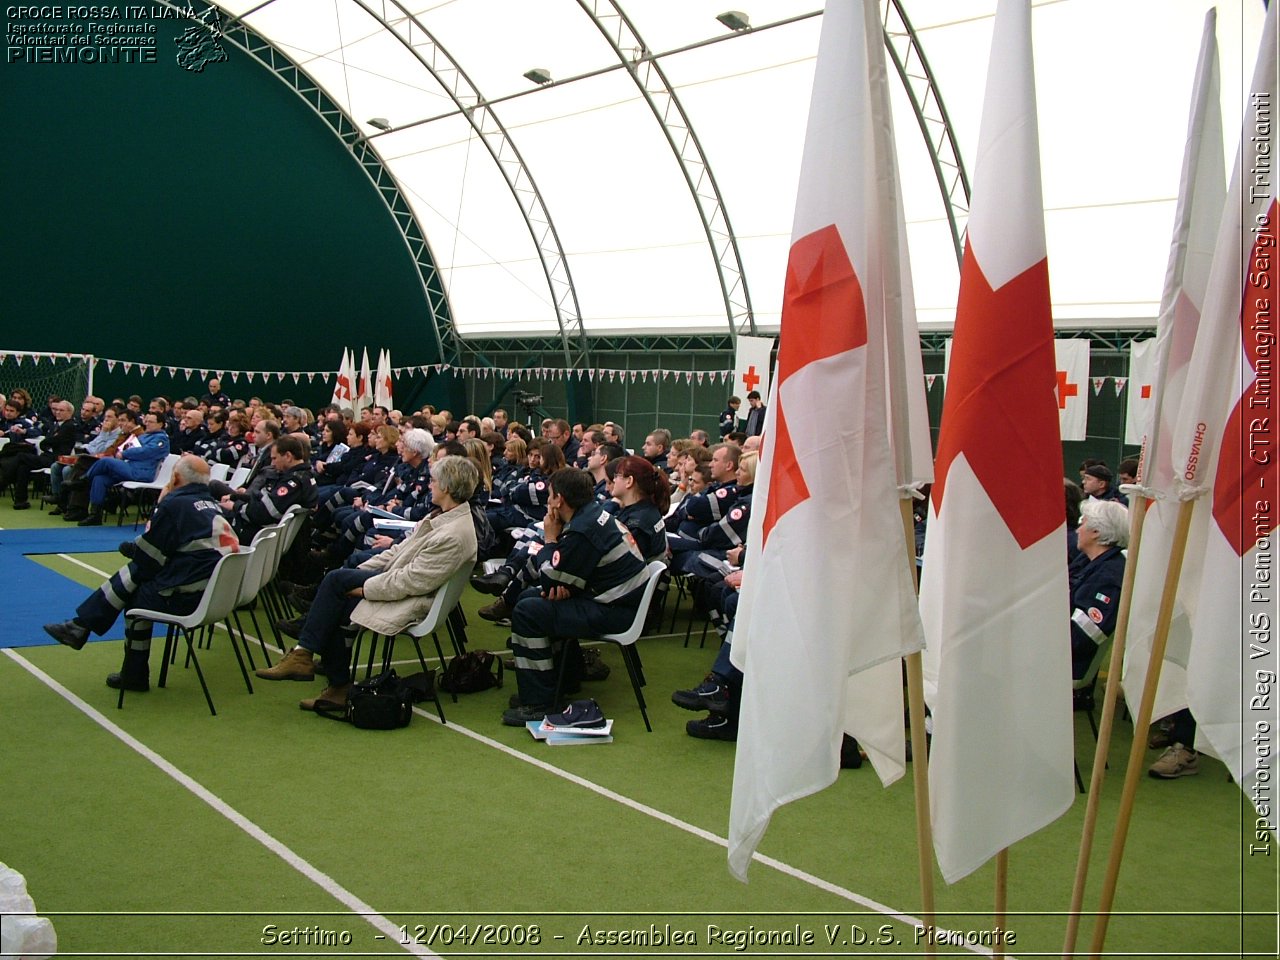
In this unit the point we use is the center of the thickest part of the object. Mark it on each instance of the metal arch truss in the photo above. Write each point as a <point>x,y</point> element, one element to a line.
<point>931,114</point>
<point>1106,342</point>
<point>606,343</point>
<point>247,40</point>
<point>639,61</point>
<point>422,44</point>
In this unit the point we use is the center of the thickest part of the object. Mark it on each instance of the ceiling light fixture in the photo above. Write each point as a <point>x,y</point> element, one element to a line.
<point>735,20</point>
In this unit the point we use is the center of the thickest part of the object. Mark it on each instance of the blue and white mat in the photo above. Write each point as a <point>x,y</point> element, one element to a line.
<point>31,594</point>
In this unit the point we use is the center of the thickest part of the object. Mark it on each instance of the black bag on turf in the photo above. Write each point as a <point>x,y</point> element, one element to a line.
<point>384,702</point>
<point>472,672</point>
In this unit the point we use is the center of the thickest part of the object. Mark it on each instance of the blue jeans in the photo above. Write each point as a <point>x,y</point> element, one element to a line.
<point>104,475</point>
<point>330,612</point>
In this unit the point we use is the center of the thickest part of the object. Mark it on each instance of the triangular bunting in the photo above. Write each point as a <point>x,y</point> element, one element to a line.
<point>1098,384</point>
<point>929,378</point>
<point>1119,383</point>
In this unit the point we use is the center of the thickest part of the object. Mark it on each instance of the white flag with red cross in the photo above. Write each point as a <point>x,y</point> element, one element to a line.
<point>1159,369</point>
<point>1071,378</point>
<point>828,606</point>
<point>751,366</point>
<point>1225,451</point>
<point>993,596</point>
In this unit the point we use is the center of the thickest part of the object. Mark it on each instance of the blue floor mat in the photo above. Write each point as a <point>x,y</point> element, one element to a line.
<point>34,594</point>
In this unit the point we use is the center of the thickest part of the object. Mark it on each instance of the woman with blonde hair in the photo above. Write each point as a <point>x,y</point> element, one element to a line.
<point>478,454</point>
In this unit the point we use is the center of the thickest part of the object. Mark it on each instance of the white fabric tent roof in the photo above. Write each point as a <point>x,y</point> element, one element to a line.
<point>1113,78</point>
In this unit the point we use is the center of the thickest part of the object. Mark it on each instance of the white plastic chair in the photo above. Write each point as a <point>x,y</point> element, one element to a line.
<point>263,550</point>
<point>443,604</point>
<point>138,487</point>
<point>216,603</point>
<point>291,523</point>
<point>219,471</point>
<point>238,476</point>
<point>626,640</point>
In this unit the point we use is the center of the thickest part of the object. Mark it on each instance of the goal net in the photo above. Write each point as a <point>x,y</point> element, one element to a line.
<point>45,375</point>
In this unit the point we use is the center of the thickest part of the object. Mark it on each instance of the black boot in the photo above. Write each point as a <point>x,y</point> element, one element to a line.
<point>94,519</point>
<point>492,583</point>
<point>70,632</point>
<point>135,672</point>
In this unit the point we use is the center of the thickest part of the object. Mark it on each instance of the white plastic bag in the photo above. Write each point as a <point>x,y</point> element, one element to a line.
<point>27,937</point>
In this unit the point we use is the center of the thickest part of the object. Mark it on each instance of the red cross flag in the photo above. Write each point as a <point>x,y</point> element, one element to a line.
<point>1225,448</point>
<point>363,393</point>
<point>342,393</point>
<point>751,366</point>
<point>1161,368</point>
<point>1072,387</point>
<point>1139,405</point>
<point>828,607</point>
<point>382,386</point>
<point>994,592</point>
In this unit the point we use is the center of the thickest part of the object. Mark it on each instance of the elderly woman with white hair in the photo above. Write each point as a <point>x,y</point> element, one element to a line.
<point>1096,576</point>
<point>408,499</point>
<point>389,591</point>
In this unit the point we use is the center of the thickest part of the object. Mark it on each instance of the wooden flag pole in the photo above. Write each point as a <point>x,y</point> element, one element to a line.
<point>1137,518</point>
<point>919,751</point>
<point>1140,724</point>
<point>1002,899</point>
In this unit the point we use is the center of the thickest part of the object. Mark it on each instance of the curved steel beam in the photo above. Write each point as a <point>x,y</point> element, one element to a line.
<point>931,114</point>
<point>285,69</point>
<point>658,92</point>
<point>422,44</point>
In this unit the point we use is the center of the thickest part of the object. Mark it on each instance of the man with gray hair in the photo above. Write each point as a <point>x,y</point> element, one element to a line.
<point>171,564</point>
<point>1096,575</point>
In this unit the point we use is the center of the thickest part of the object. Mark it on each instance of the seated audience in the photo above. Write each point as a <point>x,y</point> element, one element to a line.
<point>288,481</point>
<point>387,592</point>
<point>138,461</point>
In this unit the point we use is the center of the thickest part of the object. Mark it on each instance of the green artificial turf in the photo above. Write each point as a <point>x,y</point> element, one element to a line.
<point>432,827</point>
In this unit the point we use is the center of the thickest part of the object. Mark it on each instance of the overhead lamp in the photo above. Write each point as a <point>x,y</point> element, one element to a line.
<point>735,20</point>
<point>381,123</point>
<point>538,75</point>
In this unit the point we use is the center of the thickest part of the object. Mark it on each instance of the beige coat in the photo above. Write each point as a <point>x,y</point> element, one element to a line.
<point>413,570</point>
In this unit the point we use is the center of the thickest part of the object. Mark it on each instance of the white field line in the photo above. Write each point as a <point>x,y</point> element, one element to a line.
<point>312,873</point>
<point>780,866</point>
